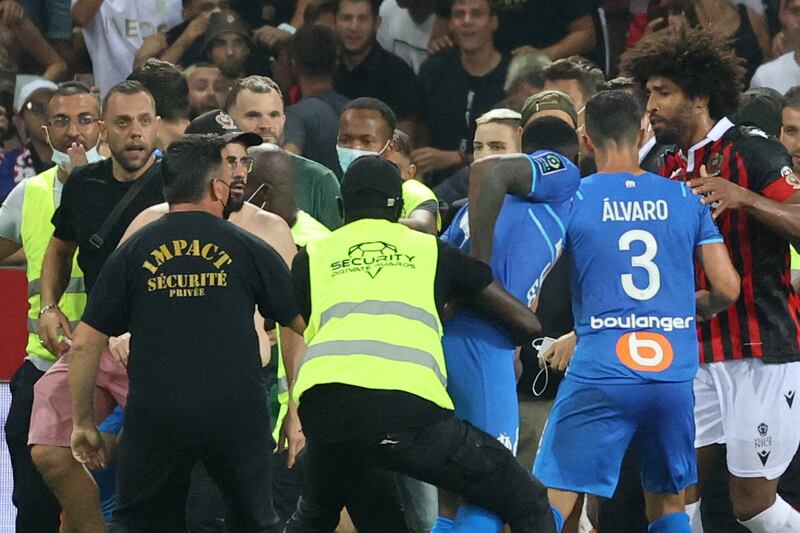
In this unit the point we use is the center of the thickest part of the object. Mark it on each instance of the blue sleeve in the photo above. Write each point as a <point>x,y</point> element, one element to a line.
<point>455,234</point>
<point>554,178</point>
<point>707,231</point>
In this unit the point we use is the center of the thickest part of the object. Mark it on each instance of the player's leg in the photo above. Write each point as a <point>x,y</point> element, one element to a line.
<point>761,420</point>
<point>482,383</point>
<point>709,437</point>
<point>665,443</point>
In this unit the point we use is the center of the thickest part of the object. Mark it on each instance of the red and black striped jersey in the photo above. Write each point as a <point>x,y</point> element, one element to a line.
<point>765,321</point>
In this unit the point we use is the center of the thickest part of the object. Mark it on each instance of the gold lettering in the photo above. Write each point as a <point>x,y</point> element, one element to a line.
<point>151,285</point>
<point>161,255</point>
<point>179,246</point>
<point>149,266</point>
<point>194,248</point>
<point>224,259</point>
<point>207,251</point>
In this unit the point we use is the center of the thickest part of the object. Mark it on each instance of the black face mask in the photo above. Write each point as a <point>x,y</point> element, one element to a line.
<point>234,203</point>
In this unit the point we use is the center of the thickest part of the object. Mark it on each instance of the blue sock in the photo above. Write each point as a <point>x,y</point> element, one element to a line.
<point>442,525</point>
<point>558,519</point>
<point>471,519</point>
<point>671,523</point>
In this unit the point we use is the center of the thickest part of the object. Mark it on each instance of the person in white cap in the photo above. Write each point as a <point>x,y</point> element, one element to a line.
<point>33,157</point>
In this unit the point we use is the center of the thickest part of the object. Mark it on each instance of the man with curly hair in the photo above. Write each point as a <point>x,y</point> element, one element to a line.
<point>749,374</point>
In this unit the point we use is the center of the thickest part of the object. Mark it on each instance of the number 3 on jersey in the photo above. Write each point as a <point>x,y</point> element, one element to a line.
<point>644,261</point>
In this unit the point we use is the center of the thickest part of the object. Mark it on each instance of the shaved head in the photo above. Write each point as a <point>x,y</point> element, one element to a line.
<point>271,182</point>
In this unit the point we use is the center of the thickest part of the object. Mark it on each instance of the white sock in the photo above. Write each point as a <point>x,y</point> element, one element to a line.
<point>693,510</point>
<point>780,518</point>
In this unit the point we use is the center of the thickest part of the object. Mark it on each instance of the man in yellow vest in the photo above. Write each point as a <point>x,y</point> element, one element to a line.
<point>371,388</point>
<point>73,133</point>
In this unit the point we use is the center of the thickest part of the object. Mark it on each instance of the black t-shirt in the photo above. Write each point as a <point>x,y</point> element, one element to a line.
<point>454,99</point>
<point>89,196</point>
<point>334,412</point>
<point>312,124</point>
<point>539,23</point>
<point>384,76</point>
<point>186,286</point>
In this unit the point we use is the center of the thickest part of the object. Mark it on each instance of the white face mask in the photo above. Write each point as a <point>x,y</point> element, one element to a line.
<point>348,155</point>
<point>65,162</point>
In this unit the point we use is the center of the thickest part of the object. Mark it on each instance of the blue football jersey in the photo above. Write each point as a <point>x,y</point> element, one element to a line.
<point>631,239</point>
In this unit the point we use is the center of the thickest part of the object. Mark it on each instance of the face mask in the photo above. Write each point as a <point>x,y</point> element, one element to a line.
<point>63,160</point>
<point>348,155</point>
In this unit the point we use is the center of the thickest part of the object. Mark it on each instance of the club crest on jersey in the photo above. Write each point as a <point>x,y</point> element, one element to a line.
<point>714,165</point>
<point>549,163</point>
<point>791,178</point>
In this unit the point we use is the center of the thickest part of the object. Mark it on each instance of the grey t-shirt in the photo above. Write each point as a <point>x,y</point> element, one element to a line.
<point>312,124</point>
<point>11,210</point>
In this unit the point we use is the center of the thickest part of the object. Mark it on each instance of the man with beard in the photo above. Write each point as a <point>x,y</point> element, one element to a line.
<point>228,44</point>
<point>790,126</point>
<point>201,396</point>
<point>207,88</point>
<point>256,105</point>
<point>73,132</point>
<point>750,354</point>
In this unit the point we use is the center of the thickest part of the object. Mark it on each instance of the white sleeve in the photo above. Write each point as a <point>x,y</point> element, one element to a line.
<point>11,214</point>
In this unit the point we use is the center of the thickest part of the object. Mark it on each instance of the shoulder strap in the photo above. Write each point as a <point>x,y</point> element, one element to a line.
<point>111,220</point>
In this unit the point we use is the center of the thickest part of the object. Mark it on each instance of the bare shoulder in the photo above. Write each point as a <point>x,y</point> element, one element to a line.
<point>151,214</point>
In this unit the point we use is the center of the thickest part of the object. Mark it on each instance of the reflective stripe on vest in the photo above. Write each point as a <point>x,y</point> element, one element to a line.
<point>384,350</point>
<point>376,307</point>
<point>75,286</point>
<point>283,385</point>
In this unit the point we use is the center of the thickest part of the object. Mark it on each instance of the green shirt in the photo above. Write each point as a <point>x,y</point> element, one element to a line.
<point>316,190</point>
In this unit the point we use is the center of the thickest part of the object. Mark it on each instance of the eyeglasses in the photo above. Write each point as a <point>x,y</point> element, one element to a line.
<point>82,122</point>
<point>247,162</point>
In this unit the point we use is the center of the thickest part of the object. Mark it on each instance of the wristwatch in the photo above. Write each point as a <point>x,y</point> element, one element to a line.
<point>47,308</point>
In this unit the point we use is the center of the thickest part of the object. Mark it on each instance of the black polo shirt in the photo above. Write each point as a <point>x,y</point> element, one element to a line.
<point>384,76</point>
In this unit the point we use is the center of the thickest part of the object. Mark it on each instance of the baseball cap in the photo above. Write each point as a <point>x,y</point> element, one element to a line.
<point>225,22</point>
<point>371,182</point>
<point>552,100</point>
<point>218,122</point>
<point>29,88</point>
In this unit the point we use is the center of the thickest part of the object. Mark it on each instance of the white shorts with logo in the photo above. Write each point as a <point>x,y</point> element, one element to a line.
<point>752,408</point>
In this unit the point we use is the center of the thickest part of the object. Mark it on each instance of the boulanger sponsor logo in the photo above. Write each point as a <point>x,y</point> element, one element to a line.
<point>633,321</point>
<point>645,351</point>
<point>763,443</point>
<point>371,258</point>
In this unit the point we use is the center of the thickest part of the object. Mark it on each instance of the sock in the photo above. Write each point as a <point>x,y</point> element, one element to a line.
<point>671,523</point>
<point>559,519</point>
<point>780,518</point>
<point>442,525</point>
<point>695,521</point>
<point>471,519</point>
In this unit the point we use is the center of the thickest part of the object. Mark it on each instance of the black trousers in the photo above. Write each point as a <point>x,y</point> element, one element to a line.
<point>451,454</point>
<point>154,469</point>
<point>37,508</point>
<point>373,504</point>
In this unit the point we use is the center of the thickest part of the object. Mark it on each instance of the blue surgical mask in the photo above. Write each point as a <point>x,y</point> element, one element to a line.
<point>348,155</point>
<point>63,160</point>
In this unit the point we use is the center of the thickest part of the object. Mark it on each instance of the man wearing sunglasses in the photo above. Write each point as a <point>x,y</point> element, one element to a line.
<point>33,157</point>
<point>72,132</point>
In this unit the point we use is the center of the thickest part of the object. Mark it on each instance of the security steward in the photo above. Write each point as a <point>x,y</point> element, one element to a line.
<point>371,386</point>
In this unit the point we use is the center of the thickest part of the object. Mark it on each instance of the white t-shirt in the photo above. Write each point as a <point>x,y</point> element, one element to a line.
<point>11,210</point>
<point>400,35</point>
<point>780,74</point>
<point>117,31</point>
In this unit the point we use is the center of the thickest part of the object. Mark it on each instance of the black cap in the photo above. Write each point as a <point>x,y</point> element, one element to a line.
<point>220,23</point>
<point>218,122</point>
<point>371,183</point>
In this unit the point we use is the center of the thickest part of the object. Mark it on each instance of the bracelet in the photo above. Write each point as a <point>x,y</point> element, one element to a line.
<point>47,308</point>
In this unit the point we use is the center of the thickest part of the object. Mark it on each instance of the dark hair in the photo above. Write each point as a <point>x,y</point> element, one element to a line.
<point>168,87</point>
<point>256,84</point>
<point>402,143</point>
<point>374,5</point>
<point>550,133</point>
<point>188,165</point>
<point>314,50</point>
<point>629,85</point>
<point>696,60</point>
<point>126,87</point>
<point>613,116</point>
<point>793,98</point>
<point>588,75</point>
<point>490,3</point>
<point>71,88</point>
<point>373,104</point>
<point>316,9</point>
